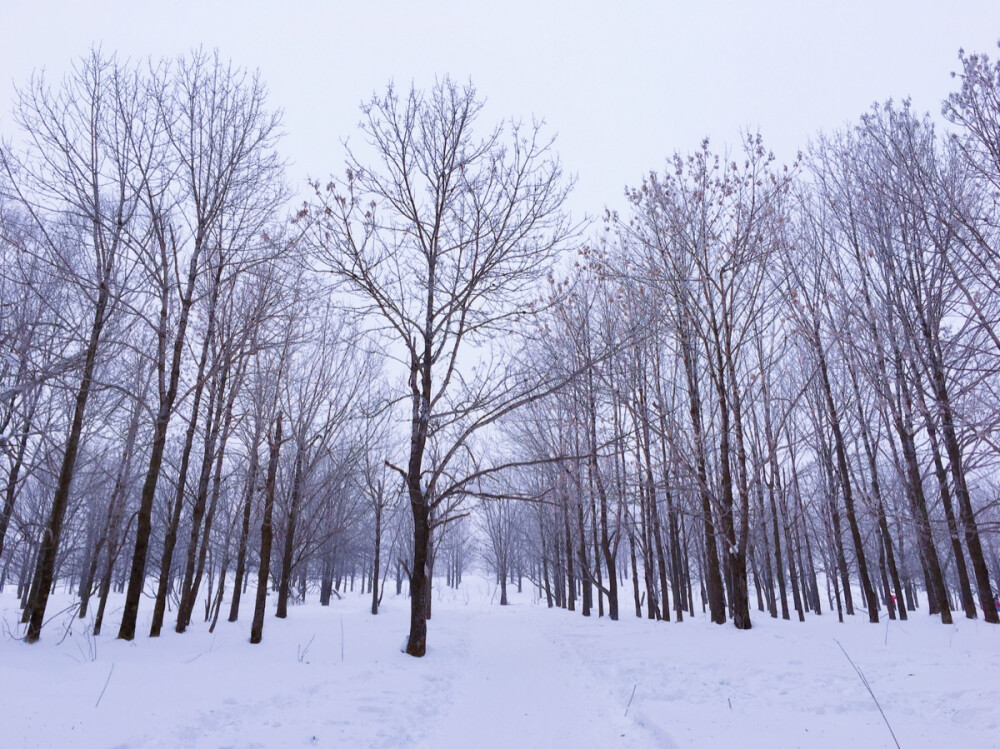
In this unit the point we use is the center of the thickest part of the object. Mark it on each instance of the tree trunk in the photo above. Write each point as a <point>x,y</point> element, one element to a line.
<point>845,480</point>
<point>588,591</point>
<point>45,570</point>
<point>711,576</point>
<point>241,554</point>
<point>137,575</point>
<point>376,564</point>
<point>972,540</point>
<point>286,557</point>
<point>266,533</point>
<point>902,415</point>
<point>10,492</point>
<point>212,454</point>
<point>416,643</point>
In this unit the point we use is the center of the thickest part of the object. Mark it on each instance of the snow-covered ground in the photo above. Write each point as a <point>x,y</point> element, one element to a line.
<point>517,676</point>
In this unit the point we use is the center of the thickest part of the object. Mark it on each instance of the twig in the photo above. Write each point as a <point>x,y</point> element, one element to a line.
<point>302,652</point>
<point>869,688</point>
<point>106,682</point>
<point>630,700</point>
<point>69,627</point>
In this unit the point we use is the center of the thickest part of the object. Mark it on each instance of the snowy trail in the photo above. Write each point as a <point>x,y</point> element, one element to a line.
<point>522,685</point>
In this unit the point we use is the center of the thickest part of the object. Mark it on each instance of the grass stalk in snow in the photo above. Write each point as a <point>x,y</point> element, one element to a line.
<point>106,682</point>
<point>868,686</point>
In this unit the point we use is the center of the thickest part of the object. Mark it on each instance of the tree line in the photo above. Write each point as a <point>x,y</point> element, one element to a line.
<point>781,377</point>
<point>789,377</point>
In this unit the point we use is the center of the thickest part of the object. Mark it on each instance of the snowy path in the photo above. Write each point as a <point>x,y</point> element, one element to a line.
<point>521,685</point>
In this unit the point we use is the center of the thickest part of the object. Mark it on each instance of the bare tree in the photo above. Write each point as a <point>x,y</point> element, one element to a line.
<point>218,181</point>
<point>443,239</point>
<point>74,180</point>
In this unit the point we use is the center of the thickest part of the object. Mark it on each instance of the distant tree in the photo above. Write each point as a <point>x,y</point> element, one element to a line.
<point>500,521</point>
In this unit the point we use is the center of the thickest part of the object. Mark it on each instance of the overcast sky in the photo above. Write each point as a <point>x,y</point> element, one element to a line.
<point>623,84</point>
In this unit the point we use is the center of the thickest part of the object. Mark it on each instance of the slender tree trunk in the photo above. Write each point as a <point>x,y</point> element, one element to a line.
<point>965,589</point>
<point>807,566</point>
<point>588,589</point>
<point>376,565</point>
<point>711,576</point>
<point>266,533</point>
<point>211,428</point>
<point>241,554</point>
<point>45,570</point>
<point>936,591</point>
<point>952,447</point>
<point>286,557</point>
<point>211,455</point>
<point>545,565</point>
<point>168,394</point>
<point>793,575</point>
<point>10,492</point>
<point>570,578</point>
<point>876,490</point>
<point>845,480</point>
<point>654,513</point>
<point>635,571</point>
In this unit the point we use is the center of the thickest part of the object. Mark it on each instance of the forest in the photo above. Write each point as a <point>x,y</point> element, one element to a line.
<point>757,390</point>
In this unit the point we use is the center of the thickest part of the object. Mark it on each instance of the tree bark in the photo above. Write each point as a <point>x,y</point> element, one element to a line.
<point>286,558</point>
<point>45,570</point>
<point>266,533</point>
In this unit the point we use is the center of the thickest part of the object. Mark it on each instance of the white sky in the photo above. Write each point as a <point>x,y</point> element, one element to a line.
<point>623,84</point>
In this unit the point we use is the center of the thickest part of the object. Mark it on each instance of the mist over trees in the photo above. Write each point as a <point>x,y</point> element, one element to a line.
<point>756,390</point>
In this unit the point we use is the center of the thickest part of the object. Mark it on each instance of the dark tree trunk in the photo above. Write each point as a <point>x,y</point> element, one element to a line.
<point>45,570</point>
<point>635,571</point>
<point>936,591</point>
<point>195,558</point>
<point>966,513</point>
<point>810,587</point>
<point>377,562</point>
<point>965,589</point>
<point>876,490</point>
<point>137,575</point>
<point>793,575</point>
<point>416,644</point>
<point>545,566</point>
<point>241,553</point>
<point>568,547</point>
<point>845,480</point>
<point>883,570</point>
<point>655,530</point>
<point>836,535</point>
<point>170,540</point>
<point>711,575</point>
<point>49,548</point>
<point>266,533</point>
<point>588,591</point>
<point>10,492</point>
<point>286,557</point>
<point>206,536</point>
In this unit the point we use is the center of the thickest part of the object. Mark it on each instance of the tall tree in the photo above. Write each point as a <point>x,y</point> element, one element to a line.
<point>75,182</point>
<point>442,240</point>
<point>217,185</point>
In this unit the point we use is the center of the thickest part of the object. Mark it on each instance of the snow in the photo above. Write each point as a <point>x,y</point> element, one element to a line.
<point>521,675</point>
